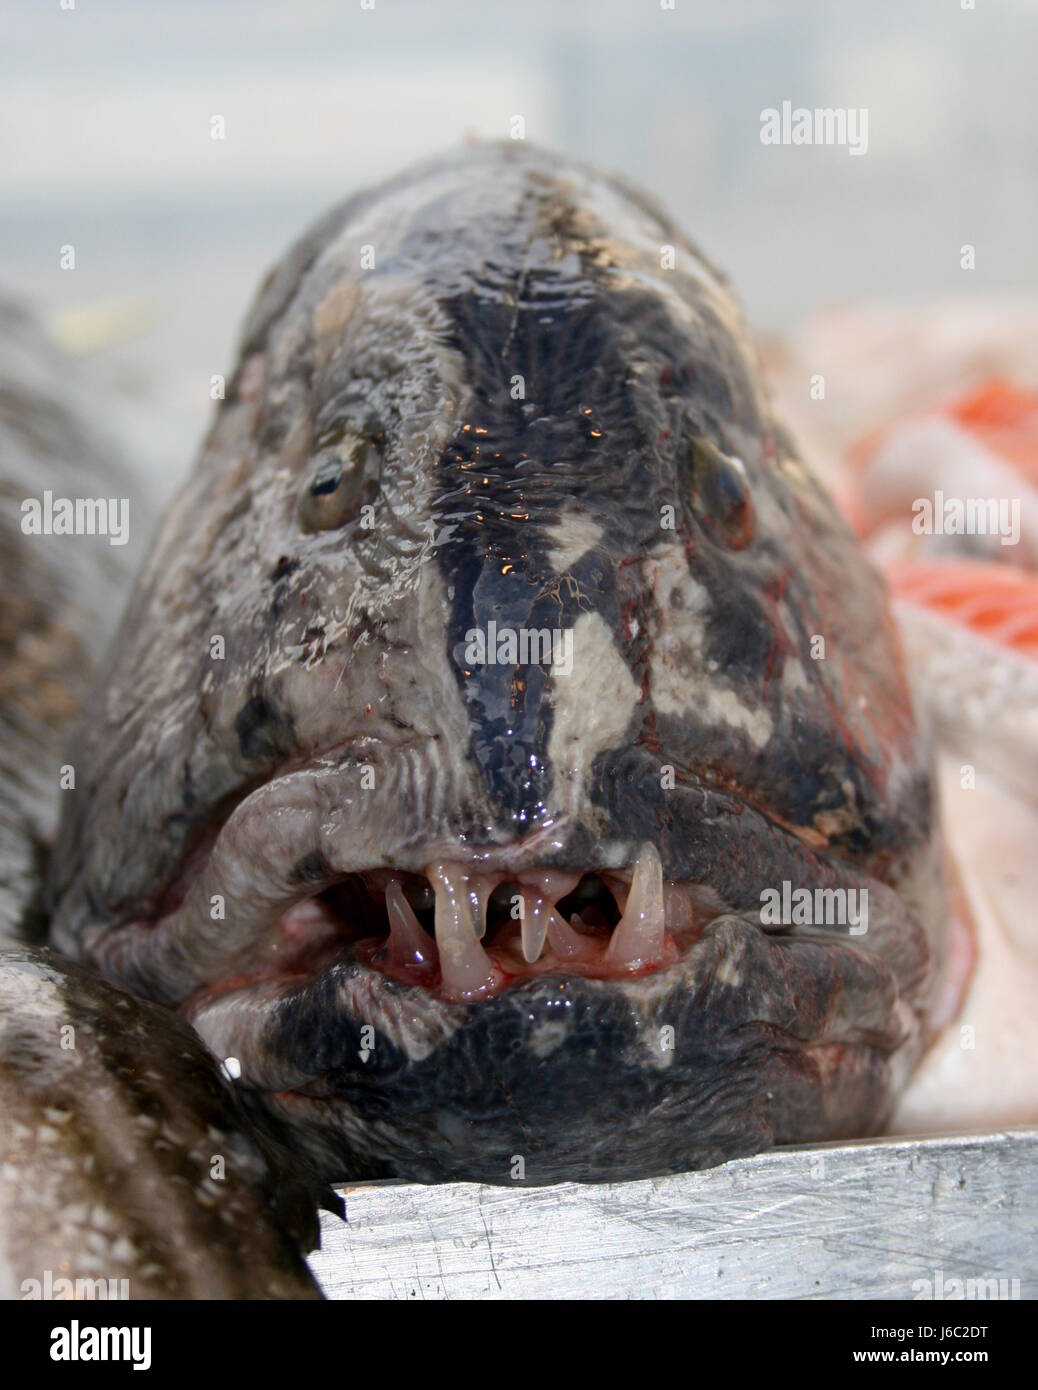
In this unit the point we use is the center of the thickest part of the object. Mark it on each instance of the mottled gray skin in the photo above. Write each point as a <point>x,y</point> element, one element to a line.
<point>601,498</point>
<point>110,1109</point>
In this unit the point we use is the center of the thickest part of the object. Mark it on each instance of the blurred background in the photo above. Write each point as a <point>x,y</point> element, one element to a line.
<point>106,111</point>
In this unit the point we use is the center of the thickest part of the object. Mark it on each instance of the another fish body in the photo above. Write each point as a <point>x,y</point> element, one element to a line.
<point>60,596</point>
<point>495,665</point>
<point>127,1168</point>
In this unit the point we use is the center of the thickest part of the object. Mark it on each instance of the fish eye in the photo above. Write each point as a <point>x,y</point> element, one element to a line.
<point>721,494</point>
<point>343,477</point>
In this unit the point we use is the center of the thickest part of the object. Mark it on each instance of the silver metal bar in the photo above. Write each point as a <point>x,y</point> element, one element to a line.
<point>894,1218</point>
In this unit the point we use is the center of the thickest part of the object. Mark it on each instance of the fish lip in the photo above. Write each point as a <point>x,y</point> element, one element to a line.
<point>333,831</point>
<point>540,845</point>
<point>545,845</point>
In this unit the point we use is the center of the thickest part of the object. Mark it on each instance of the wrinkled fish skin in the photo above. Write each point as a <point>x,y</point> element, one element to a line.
<point>113,1122</point>
<point>539,391</point>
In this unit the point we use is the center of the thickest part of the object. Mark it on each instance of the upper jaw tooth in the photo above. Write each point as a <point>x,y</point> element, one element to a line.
<point>638,938</point>
<point>619,887</point>
<point>465,967</point>
<point>552,884</point>
<point>533,926</point>
<point>679,915</point>
<point>479,888</point>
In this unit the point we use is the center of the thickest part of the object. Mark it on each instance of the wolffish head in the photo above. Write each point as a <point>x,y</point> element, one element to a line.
<point>498,659</point>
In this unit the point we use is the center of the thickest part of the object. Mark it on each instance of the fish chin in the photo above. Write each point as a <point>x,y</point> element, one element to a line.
<point>744,1041</point>
<point>582,1002</point>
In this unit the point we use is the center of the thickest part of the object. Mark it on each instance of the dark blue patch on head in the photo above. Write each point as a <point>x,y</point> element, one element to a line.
<point>577,441</point>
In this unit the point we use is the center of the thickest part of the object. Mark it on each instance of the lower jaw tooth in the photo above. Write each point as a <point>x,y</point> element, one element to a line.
<point>567,943</point>
<point>464,965</point>
<point>639,936</point>
<point>408,943</point>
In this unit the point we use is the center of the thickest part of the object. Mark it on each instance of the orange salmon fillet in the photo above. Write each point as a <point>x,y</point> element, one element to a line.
<point>996,601</point>
<point>1005,418</point>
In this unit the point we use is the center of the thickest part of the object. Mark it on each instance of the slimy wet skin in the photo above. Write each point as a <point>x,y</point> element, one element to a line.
<point>496,658</point>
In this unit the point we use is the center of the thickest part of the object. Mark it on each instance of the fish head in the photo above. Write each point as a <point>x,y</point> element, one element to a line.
<point>497,668</point>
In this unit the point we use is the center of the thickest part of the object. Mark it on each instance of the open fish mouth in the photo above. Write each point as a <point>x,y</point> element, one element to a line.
<point>478,933</point>
<point>438,1011</point>
<point>467,933</point>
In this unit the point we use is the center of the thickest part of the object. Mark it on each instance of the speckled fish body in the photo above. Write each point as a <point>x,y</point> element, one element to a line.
<point>465,907</point>
<point>128,1170</point>
<point>126,1167</point>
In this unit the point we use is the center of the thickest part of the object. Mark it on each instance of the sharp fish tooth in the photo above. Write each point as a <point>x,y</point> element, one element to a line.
<point>567,943</point>
<point>534,925</point>
<point>618,887</point>
<point>480,887</point>
<point>639,935</point>
<point>464,965</point>
<point>408,942</point>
